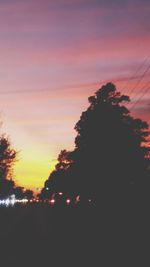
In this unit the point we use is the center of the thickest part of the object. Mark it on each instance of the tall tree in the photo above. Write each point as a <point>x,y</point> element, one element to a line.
<point>111,151</point>
<point>7,159</point>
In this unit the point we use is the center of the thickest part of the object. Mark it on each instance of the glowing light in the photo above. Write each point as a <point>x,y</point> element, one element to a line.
<point>68,201</point>
<point>52,201</point>
<point>24,200</point>
<point>47,188</point>
<point>60,193</point>
<point>7,202</point>
<point>12,202</point>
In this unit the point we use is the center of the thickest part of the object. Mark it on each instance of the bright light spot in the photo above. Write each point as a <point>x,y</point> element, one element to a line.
<point>52,201</point>
<point>90,200</point>
<point>7,202</point>
<point>12,202</point>
<point>47,188</point>
<point>68,201</point>
<point>24,200</point>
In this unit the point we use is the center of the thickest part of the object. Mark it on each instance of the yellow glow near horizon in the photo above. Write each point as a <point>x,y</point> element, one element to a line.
<point>32,173</point>
<point>53,56</point>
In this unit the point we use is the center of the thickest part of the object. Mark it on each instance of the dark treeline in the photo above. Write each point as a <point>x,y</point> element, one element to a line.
<point>8,157</point>
<point>109,166</point>
<point>110,161</point>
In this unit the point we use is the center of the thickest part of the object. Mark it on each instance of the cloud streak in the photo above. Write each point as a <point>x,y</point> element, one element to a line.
<point>53,55</point>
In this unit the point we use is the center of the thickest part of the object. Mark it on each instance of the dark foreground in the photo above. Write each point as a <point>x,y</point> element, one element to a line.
<point>39,235</point>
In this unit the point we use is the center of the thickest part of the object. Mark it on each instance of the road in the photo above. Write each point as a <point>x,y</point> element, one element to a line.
<point>37,235</point>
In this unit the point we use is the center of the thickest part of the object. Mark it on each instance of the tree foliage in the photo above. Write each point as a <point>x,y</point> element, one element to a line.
<point>111,150</point>
<point>8,157</point>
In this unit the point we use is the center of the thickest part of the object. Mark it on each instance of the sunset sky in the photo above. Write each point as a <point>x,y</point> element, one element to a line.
<point>53,55</point>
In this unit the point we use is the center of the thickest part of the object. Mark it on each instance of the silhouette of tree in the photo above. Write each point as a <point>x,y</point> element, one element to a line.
<point>7,159</point>
<point>28,194</point>
<point>111,153</point>
<point>19,192</point>
<point>59,179</point>
<point>6,188</point>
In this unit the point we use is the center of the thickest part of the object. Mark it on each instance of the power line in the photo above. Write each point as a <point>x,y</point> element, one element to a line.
<point>144,93</point>
<point>135,73</point>
<point>142,88</point>
<point>139,80</point>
